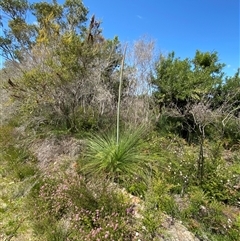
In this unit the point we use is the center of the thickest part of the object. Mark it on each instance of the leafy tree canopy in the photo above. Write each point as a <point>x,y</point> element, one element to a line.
<point>180,81</point>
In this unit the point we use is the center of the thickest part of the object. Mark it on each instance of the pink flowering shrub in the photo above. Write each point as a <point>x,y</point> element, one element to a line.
<point>79,210</point>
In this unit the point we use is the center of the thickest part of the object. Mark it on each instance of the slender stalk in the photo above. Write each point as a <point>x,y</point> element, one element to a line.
<point>119,91</point>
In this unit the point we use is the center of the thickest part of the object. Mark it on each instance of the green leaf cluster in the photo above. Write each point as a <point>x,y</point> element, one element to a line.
<point>178,82</point>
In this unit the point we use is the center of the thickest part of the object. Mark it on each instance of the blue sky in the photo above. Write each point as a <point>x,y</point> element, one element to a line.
<point>182,26</point>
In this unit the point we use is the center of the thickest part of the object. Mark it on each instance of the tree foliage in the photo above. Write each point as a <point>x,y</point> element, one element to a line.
<point>65,66</point>
<point>194,95</point>
<point>178,82</point>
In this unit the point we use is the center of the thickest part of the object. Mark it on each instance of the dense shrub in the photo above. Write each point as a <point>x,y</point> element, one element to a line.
<point>81,210</point>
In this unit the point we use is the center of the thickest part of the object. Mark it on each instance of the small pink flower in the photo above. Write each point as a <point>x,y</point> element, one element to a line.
<point>107,234</point>
<point>116,226</point>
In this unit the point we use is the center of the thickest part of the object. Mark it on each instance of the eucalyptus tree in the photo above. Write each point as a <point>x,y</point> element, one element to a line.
<point>63,60</point>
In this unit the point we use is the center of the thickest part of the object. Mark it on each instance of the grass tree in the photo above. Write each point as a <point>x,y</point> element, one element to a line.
<point>114,156</point>
<point>115,161</point>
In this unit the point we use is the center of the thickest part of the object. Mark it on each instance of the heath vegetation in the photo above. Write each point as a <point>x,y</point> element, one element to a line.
<point>132,137</point>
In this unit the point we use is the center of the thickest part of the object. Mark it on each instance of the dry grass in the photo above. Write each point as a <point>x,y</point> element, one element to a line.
<point>54,153</point>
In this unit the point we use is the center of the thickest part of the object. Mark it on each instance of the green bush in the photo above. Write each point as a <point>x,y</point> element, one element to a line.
<point>20,162</point>
<point>231,134</point>
<point>220,180</point>
<point>206,216</point>
<point>136,185</point>
<point>158,200</point>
